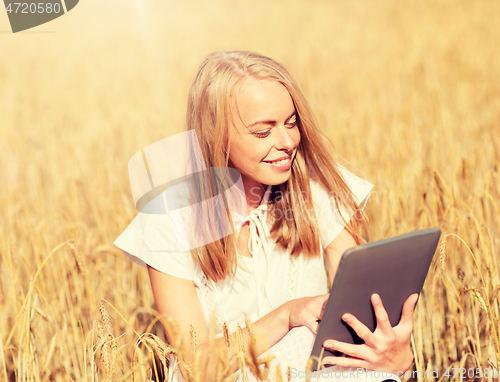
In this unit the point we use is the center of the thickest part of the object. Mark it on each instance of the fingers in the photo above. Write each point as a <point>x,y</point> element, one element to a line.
<point>313,324</point>
<point>315,327</point>
<point>306,311</point>
<point>408,309</point>
<point>361,329</point>
<point>315,314</point>
<point>323,304</point>
<point>346,362</point>
<point>387,347</point>
<point>322,299</point>
<point>356,351</point>
<point>383,322</point>
<point>409,306</point>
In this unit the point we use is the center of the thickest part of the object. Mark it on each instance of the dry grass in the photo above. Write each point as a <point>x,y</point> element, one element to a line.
<point>407,91</point>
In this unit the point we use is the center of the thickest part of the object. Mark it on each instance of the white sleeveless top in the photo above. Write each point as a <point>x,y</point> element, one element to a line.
<point>262,283</point>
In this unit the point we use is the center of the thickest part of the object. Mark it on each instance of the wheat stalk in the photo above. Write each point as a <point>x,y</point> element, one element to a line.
<point>442,256</point>
<point>80,263</point>
<point>159,350</point>
<point>479,299</point>
<point>141,363</point>
<point>225,331</point>
<point>104,347</point>
<point>50,353</point>
<point>109,347</point>
<point>192,334</point>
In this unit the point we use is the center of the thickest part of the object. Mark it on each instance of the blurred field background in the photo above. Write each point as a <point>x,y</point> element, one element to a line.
<point>409,93</point>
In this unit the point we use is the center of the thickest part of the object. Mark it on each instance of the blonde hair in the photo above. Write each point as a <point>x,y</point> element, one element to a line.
<point>209,114</point>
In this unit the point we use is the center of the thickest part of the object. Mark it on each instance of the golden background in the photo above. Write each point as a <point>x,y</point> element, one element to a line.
<point>408,91</point>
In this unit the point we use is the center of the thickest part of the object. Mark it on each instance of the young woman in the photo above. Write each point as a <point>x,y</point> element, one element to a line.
<point>303,209</point>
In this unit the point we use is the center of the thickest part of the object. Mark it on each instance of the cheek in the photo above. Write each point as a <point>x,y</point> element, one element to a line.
<point>296,136</point>
<point>242,153</point>
<point>250,157</point>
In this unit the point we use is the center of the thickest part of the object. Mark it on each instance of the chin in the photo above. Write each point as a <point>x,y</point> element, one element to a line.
<point>276,180</point>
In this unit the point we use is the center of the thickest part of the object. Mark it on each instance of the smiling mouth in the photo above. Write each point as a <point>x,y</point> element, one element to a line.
<point>280,162</point>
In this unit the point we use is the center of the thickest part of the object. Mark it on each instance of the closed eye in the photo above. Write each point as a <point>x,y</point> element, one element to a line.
<point>293,122</point>
<point>262,134</point>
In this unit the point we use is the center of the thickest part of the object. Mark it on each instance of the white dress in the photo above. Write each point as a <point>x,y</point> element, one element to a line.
<point>262,283</point>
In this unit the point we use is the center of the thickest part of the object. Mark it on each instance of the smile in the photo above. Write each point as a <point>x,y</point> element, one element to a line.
<point>282,164</point>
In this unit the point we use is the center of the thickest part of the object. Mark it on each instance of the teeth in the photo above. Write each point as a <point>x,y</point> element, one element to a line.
<point>280,162</point>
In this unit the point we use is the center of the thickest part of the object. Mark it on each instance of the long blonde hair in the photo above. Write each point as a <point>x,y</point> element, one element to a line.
<point>209,114</point>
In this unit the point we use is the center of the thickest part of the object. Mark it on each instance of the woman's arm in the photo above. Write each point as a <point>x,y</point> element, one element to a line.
<point>177,298</point>
<point>334,252</point>
<point>387,348</point>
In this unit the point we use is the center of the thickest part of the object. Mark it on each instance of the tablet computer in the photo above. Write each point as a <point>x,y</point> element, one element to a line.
<point>394,268</point>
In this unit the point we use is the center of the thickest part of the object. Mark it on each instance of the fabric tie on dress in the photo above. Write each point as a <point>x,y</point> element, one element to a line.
<point>259,248</point>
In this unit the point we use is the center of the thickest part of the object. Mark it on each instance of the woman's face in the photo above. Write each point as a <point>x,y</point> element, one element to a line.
<point>264,135</point>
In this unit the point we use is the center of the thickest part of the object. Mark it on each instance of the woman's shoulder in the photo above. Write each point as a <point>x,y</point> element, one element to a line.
<point>158,229</point>
<point>331,214</point>
<point>150,239</point>
<point>360,188</point>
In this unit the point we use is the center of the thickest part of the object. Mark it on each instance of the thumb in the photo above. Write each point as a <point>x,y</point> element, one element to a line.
<point>313,324</point>
<point>409,308</point>
<point>324,299</point>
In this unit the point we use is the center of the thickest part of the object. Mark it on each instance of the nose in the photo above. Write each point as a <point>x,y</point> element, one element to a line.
<point>285,138</point>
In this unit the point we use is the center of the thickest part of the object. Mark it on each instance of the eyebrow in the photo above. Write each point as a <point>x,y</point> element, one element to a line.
<point>270,121</point>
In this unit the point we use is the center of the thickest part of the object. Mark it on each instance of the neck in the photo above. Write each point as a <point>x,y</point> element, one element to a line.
<point>254,192</point>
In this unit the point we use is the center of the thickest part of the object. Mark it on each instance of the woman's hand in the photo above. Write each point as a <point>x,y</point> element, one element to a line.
<point>306,311</point>
<point>386,349</point>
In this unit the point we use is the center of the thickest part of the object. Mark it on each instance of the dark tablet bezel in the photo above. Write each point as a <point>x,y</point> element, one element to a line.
<point>394,268</point>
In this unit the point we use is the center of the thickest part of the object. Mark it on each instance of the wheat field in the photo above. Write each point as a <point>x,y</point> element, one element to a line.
<point>408,92</point>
